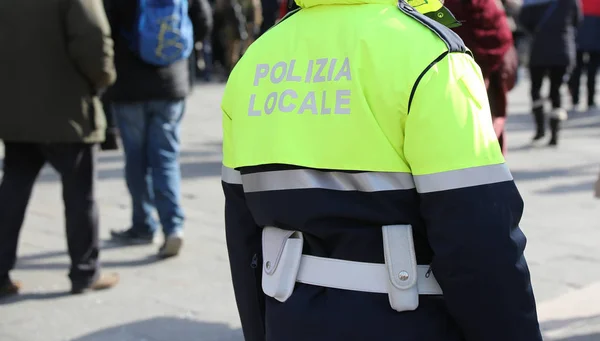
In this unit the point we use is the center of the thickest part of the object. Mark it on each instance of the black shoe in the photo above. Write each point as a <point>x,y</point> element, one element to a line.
<point>9,288</point>
<point>540,128</point>
<point>132,237</point>
<point>538,136</point>
<point>105,281</point>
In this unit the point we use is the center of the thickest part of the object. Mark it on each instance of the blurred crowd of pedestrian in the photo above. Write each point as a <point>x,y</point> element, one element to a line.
<point>554,39</point>
<point>87,71</point>
<point>237,23</point>
<point>81,75</point>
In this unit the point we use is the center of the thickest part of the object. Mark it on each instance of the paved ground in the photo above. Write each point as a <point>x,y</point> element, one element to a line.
<point>190,298</point>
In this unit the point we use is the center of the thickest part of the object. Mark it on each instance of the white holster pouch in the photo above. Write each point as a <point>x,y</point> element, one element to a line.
<point>400,277</point>
<point>282,252</point>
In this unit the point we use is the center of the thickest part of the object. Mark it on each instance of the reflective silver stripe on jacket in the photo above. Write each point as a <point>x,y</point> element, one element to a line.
<point>462,178</point>
<point>367,181</point>
<point>339,181</point>
<point>231,176</point>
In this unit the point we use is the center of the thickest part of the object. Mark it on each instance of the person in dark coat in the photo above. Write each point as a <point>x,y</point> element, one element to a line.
<point>60,60</point>
<point>229,31</point>
<point>486,32</point>
<point>588,45</point>
<point>553,24</point>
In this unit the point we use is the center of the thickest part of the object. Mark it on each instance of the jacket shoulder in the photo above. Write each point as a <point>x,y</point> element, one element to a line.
<point>453,42</point>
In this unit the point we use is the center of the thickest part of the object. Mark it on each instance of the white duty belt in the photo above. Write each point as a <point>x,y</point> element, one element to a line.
<point>400,277</point>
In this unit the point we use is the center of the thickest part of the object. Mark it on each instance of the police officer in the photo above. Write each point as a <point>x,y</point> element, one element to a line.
<point>366,194</point>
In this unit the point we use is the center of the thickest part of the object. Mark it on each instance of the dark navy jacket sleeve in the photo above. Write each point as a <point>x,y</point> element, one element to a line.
<point>245,257</point>
<point>479,261</point>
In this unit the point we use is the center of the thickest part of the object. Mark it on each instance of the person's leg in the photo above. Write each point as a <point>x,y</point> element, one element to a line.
<point>592,71</point>
<point>112,133</point>
<point>499,123</point>
<point>208,59</point>
<point>497,98</point>
<point>163,155</point>
<point>76,164</point>
<point>132,120</point>
<point>575,79</point>
<point>537,77</point>
<point>558,113</point>
<point>557,76</point>
<point>22,164</point>
<point>217,44</point>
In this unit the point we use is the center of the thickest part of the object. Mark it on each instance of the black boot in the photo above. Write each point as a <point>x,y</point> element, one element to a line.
<point>556,117</point>
<point>538,116</point>
<point>554,128</point>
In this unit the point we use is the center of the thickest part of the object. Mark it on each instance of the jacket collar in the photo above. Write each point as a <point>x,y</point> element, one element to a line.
<point>314,3</point>
<point>434,9</point>
<point>423,6</point>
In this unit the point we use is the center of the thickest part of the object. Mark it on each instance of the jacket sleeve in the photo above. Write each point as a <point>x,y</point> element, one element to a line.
<point>577,13</point>
<point>201,15</point>
<point>89,42</point>
<point>470,204</point>
<point>491,33</point>
<point>244,245</point>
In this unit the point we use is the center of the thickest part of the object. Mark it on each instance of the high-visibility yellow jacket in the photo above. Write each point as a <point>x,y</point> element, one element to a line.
<point>353,114</point>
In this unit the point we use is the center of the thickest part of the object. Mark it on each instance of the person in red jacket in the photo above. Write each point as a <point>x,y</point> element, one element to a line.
<point>487,33</point>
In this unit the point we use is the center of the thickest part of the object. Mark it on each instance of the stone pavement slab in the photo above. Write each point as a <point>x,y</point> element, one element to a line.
<point>190,298</point>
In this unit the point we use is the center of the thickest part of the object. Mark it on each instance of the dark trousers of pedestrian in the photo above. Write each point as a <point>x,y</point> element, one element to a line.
<point>592,65</point>
<point>556,75</point>
<point>270,9</point>
<point>112,132</point>
<point>75,162</point>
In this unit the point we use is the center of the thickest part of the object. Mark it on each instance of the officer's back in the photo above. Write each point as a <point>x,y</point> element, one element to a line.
<point>355,114</point>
